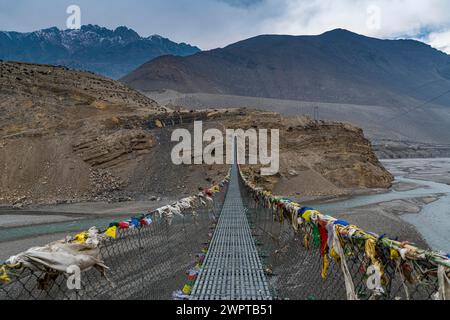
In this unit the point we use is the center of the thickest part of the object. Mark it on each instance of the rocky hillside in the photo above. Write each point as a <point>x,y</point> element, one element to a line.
<point>69,136</point>
<point>36,99</point>
<point>316,158</point>
<point>58,136</point>
<point>113,53</point>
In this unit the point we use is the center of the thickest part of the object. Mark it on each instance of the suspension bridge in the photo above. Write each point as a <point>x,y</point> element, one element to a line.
<point>232,269</point>
<point>231,242</point>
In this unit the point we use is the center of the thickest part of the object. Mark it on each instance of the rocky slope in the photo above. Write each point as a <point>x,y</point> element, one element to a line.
<point>69,136</point>
<point>316,158</point>
<point>58,135</point>
<point>38,99</point>
<point>113,53</point>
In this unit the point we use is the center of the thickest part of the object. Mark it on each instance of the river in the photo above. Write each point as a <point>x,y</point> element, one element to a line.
<point>433,221</point>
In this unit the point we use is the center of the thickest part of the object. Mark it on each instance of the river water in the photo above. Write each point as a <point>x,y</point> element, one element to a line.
<point>433,222</point>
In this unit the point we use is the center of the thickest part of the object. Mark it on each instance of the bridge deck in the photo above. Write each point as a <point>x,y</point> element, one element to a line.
<point>232,269</point>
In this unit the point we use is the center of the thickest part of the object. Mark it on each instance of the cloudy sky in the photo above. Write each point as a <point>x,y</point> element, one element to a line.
<point>216,23</point>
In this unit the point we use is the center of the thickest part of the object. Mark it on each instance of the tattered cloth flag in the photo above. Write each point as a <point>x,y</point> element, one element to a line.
<point>61,255</point>
<point>444,283</point>
<point>135,222</point>
<point>337,248</point>
<point>371,253</point>
<point>324,250</point>
<point>146,221</point>
<point>303,210</point>
<point>124,225</point>
<point>179,295</point>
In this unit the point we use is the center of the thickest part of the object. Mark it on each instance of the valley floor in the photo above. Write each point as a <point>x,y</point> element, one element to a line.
<point>387,127</point>
<point>416,209</point>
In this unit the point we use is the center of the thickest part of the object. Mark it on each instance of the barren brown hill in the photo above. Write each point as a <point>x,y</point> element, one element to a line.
<point>316,158</point>
<point>337,67</point>
<point>64,134</point>
<point>69,136</point>
<point>41,98</point>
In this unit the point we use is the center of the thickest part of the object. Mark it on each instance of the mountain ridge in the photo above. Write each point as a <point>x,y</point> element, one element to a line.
<point>90,48</point>
<point>337,66</point>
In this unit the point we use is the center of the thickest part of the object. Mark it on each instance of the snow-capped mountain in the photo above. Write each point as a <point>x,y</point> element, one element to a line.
<point>113,53</point>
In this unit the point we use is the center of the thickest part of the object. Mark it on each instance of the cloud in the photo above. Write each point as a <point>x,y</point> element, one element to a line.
<point>242,3</point>
<point>216,23</point>
<point>382,18</point>
<point>427,20</point>
<point>439,40</point>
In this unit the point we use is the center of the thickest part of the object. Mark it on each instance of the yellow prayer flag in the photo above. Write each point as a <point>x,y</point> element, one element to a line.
<point>307,215</point>
<point>334,255</point>
<point>325,265</point>
<point>394,254</point>
<point>81,238</point>
<point>4,278</point>
<point>187,289</point>
<point>112,232</point>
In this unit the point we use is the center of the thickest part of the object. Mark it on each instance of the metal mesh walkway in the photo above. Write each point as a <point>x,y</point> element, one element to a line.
<point>232,269</point>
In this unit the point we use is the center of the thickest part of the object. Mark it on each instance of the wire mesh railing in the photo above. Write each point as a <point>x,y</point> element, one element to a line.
<point>144,258</point>
<point>232,269</point>
<point>310,256</point>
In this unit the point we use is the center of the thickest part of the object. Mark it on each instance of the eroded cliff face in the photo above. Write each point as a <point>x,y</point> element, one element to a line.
<point>69,136</point>
<point>60,134</point>
<point>317,158</point>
